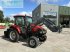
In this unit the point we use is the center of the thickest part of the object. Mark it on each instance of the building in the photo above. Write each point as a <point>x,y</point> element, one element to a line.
<point>57,14</point>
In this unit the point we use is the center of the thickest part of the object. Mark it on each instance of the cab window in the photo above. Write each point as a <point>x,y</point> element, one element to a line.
<point>19,20</point>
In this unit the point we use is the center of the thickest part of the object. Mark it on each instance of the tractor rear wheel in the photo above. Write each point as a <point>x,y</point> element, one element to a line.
<point>33,42</point>
<point>13,36</point>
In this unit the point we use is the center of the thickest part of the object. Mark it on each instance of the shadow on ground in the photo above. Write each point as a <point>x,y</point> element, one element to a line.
<point>20,40</point>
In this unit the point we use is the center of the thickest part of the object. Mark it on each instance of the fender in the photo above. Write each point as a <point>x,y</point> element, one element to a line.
<point>17,28</point>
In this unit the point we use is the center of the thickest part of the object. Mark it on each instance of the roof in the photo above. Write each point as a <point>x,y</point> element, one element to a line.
<point>18,15</point>
<point>21,15</point>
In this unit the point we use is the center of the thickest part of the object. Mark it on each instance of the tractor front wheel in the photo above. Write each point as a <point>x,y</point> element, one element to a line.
<point>33,42</point>
<point>13,36</point>
<point>43,38</point>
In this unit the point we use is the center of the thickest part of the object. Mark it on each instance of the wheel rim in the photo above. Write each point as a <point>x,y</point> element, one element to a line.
<point>12,35</point>
<point>32,43</point>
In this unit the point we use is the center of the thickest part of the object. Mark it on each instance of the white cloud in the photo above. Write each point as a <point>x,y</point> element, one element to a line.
<point>1,8</point>
<point>39,1</point>
<point>23,13</point>
<point>44,1</point>
<point>26,13</point>
<point>68,4</point>
<point>53,0</point>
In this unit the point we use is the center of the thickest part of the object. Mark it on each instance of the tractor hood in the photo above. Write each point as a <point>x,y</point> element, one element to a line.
<point>36,27</point>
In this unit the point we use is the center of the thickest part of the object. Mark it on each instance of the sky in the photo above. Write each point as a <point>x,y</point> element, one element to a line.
<point>11,7</point>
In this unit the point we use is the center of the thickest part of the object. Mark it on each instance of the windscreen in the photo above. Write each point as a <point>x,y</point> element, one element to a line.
<point>28,19</point>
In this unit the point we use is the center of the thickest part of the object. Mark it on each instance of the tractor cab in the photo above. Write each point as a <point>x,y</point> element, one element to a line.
<point>22,21</point>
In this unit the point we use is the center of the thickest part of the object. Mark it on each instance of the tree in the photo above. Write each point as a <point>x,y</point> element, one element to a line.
<point>12,21</point>
<point>7,19</point>
<point>1,16</point>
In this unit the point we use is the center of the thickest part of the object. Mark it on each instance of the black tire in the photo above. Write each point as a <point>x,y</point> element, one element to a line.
<point>43,38</point>
<point>16,35</point>
<point>35,42</point>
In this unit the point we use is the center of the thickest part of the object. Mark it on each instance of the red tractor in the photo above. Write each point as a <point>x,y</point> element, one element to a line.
<point>23,27</point>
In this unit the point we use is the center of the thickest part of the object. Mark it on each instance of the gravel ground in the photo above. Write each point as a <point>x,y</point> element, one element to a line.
<point>55,43</point>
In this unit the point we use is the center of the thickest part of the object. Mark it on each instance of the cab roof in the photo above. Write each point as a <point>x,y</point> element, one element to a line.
<point>20,15</point>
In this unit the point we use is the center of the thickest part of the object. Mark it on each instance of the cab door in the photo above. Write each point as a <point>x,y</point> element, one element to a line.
<point>21,23</point>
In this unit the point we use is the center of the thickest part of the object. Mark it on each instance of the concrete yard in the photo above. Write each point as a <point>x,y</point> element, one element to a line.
<point>55,43</point>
